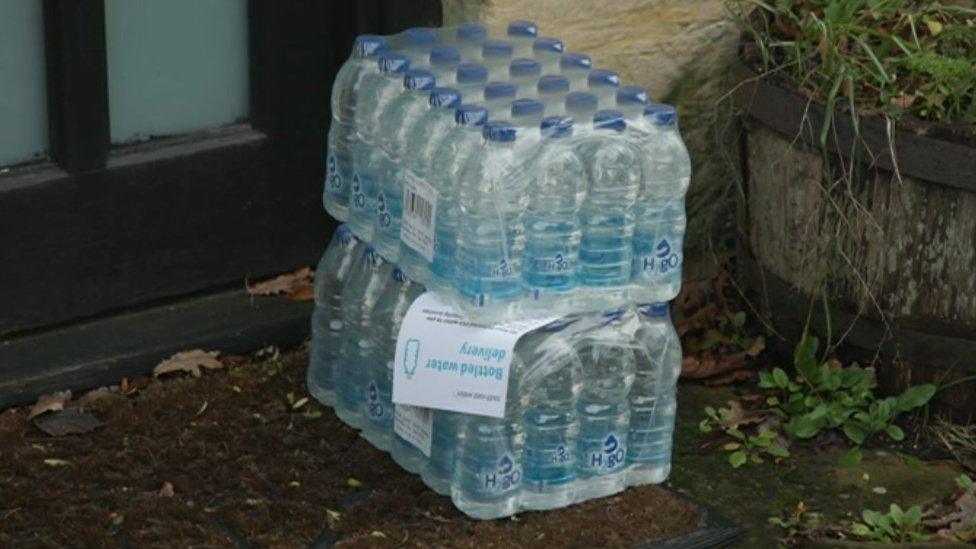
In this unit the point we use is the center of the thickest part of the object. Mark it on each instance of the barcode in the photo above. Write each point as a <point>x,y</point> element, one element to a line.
<point>420,208</point>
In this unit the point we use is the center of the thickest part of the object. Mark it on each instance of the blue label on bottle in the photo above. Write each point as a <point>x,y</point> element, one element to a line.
<point>665,259</point>
<point>503,476</point>
<point>374,408</point>
<point>555,264</point>
<point>382,211</point>
<point>344,235</point>
<point>358,195</point>
<point>333,177</point>
<point>603,457</point>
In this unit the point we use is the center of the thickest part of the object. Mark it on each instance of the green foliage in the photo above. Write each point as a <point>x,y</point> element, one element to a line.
<point>825,395</point>
<point>893,57</point>
<point>744,448</point>
<point>896,525</point>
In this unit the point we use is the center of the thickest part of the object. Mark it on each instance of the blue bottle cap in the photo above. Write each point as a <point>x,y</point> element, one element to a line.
<point>444,97</point>
<point>656,310</point>
<point>612,315</point>
<point>471,32</point>
<point>609,120</point>
<point>527,107</point>
<point>553,83</point>
<point>419,79</point>
<point>548,44</point>
<point>522,28</point>
<point>575,61</point>
<point>368,45</point>
<point>393,63</point>
<point>631,95</point>
<point>580,101</point>
<point>599,78</point>
<point>499,131</point>
<point>419,36</point>
<point>468,73</point>
<point>497,49</point>
<point>558,325</point>
<point>524,67</point>
<point>661,114</point>
<point>444,55</point>
<point>471,115</point>
<point>556,127</point>
<point>500,90</point>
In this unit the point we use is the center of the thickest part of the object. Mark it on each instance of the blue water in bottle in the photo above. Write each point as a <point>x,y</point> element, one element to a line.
<point>495,56</point>
<point>659,237</point>
<point>395,128</point>
<point>366,282</point>
<point>653,402</point>
<point>342,142</point>
<point>608,364</point>
<point>491,236</point>
<point>552,229</point>
<point>607,215</point>
<point>548,51</point>
<point>550,384</point>
<point>524,73</point>
<point>331,276</point>
<point>452,152</point>
<point>391,307</point>
<point>603,84</point>
<point>576,67</point>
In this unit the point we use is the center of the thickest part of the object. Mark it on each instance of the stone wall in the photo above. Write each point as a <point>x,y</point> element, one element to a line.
<point>680,50</point>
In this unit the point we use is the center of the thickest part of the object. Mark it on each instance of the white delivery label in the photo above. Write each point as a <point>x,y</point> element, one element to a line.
<point>415,425</point>
<point>446,361</point>
<point>419,216</point>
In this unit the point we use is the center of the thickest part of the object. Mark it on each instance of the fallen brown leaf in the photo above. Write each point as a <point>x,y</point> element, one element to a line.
<point>93,396</point>
<point>67,422</point>
<point>758,346</point>
<point>49,403</point>
<point>295,286</point>
<point>189,361</point>
<point>167,491</point>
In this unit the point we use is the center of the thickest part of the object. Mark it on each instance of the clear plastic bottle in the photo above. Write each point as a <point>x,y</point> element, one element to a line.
<point>522,34</point>
<point>495,56</point>
<point>405,454</point>
<point>443,61</point>
<point>653,402</point>
<point>659,237</point>
<point>526,114</point>
<point>468,40</point>
<point>395,129</point>
<point>366,282</point>
<point>603,84</point>
<point>417,158</point>
<point>548,51</point>
<point>607,216</point>
<point>581,106</point>
<point>452,152</point>
<point>331,276</point>
<point>552,229</point>
<point>551,90</point>
<point>391,307</point>
<point>524,73</point>
<point>498,99</point>
<point>342,142</point>
<point>550,385</point>
<point>631,102</point>
<point>471,79</point>
<point>438,471</point>
<point>608,366</point>
<point>490,236</point>
<point>576,67</point>
<point>415,43</point>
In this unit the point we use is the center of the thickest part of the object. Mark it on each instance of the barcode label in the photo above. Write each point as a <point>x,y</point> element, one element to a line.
<point>419,216</point>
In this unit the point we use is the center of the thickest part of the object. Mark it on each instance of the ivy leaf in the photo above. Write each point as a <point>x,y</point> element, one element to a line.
<point>737,459</point>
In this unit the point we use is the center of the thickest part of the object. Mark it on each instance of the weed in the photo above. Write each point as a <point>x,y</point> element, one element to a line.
<point>896,525</point>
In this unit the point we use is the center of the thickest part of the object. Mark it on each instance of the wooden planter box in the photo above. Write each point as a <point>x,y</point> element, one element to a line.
<point>895,254</point>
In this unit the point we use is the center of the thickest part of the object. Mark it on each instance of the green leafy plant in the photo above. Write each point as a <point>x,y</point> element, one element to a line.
<point>744,448</point>
<point>896,525</point>
<point>825,395</point>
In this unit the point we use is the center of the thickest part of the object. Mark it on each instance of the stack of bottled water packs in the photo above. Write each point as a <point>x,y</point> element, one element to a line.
<point>515,181</point>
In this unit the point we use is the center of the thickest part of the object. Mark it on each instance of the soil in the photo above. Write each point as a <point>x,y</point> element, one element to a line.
<point>250,465</point>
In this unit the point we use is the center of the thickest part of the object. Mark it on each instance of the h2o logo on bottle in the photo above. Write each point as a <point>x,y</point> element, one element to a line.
<point>382,212</point>
<point>502,270</point>
<point>664,260</point>
<point>374,408</point>
<point>506,476</point>
<point>609,458</point>
<point>332,176</point>
<point>560,455</point>
<point>358,196</point>
<point>344,235</point>
<point>555,264</point>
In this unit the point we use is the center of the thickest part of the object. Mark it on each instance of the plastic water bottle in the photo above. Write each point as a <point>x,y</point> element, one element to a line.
<point>405,454</point>
<point>495,56</point>
<point>366,282</point>
<point>551,90</point>
<point>608,367</point>
<point>548,51</point>
<point>659,237</point>
<point>488,266</point>
<point>331,276</point>
<point>552,230</point>
<point>438,471</point>
<point>488,467</point>
<point>653,402</point>
<point>527,113</point>
<point>443,61</point>
<point>576,67</point>
<point>338,171</point>
<point>522,34</point>
<point>631,101</point>
<point>524,73</point>
<point>498,99</point>
<point>603,84</point>
<point>470,80</point>
<point>391,307</point>
<point>395,133</point>
<point>551,381</point>
<point>418,156</point>
<point>449,158</point>
<point>581,106</point>
<point>607,215</point>
<point>415,43</point>
<point>468,40</point>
